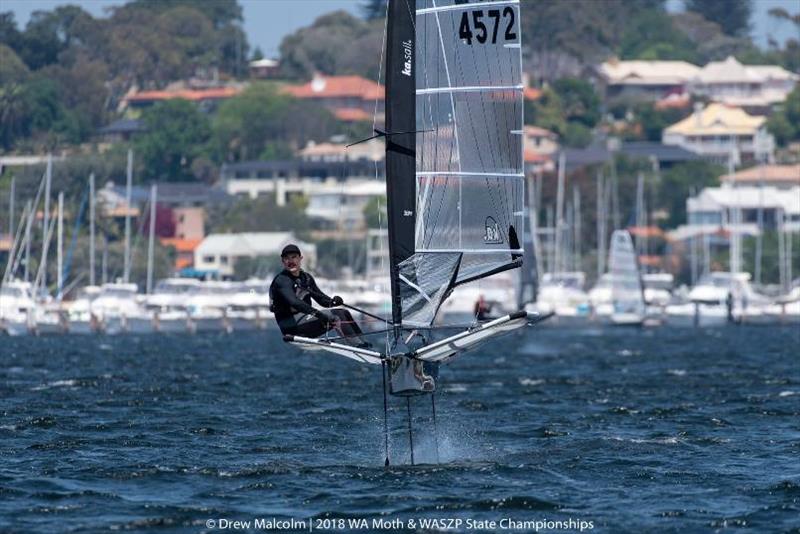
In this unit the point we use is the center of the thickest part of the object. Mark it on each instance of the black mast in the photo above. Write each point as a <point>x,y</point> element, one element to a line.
<point>400,149</point>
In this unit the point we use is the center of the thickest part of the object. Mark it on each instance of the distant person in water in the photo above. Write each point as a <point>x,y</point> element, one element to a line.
<point>291,293</point>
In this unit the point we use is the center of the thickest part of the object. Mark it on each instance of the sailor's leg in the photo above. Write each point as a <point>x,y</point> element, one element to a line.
<point>347,327</point>
<point>310,326</point>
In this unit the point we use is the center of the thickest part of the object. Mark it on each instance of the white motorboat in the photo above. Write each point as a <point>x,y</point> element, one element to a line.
<point>80,317</point>
<point>563,294</point>
<point>16,308</point>
<point>119,310</point>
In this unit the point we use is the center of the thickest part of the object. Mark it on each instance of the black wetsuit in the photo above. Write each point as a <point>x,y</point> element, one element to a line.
<point>291,303</point>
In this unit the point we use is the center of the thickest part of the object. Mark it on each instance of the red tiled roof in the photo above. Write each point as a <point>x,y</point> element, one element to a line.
<point>338,87</point>
<point>193,95</point>
<point>532,93</point>
<point>351,115</point>
<point>538,131</point>
<point>772,173</point>
<point>181,245</point>
<point>532,156</point>
<point>182,263</point>
<point>646,231</point>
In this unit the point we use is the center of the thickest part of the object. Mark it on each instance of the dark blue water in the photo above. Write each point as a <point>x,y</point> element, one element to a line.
<point>675,430</point>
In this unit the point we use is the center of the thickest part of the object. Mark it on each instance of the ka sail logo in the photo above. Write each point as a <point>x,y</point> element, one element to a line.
<point>492,232</point>
<point>408,53</point>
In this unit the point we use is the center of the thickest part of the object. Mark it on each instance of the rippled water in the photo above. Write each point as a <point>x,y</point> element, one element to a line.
<point>632,430</point>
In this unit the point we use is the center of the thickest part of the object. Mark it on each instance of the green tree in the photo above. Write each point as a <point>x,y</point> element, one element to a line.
<point>652,121</point>
<point>679,182</point>
<point>784,123</point>
<point>13,114</point>
<point>177,133</point>
<point>264,119</point>
<point>374,9</point>
<point>579,101</point>
<point>546,111</point>
<point>652,35</point>
<point>733,16</point>
<point>336,43</point>
<point>82,90</point>
<point>260,215</point>
<point>221,13</point>
<point>9,34</point>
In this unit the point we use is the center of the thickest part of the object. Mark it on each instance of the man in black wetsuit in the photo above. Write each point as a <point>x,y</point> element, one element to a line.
<point>291,293</point>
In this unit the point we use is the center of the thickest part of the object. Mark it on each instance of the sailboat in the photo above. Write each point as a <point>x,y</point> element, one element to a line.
<point>627,293</point>
<point>454,178</point>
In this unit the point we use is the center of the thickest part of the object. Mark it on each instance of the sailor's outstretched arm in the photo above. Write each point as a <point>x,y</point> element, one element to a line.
<point>317,294</point>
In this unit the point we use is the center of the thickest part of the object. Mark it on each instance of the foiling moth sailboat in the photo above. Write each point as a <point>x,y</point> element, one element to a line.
<point>454,177</point>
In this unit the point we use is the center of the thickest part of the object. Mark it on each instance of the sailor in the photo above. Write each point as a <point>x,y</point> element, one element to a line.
<point>290,295</point>
<point>482,309</point>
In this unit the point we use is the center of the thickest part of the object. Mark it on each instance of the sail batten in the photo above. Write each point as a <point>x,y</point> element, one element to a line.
<point>470,89</point>
<point>462,7</point>
<point>467,174</point>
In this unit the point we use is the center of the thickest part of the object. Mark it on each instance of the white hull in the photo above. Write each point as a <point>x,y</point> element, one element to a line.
<point>207,324</point>
<point>627,319</point>
<point>16,328</point>
<point>242,324</point>
<point>172,326</point>
<point>81,327</point>
<point>139,325</point>
<point>49,328</point>
<point>685,315</point>
<point>112,326</point>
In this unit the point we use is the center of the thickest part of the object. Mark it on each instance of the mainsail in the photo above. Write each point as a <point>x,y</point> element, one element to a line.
<point>626,284</point>
<point>455,177</point>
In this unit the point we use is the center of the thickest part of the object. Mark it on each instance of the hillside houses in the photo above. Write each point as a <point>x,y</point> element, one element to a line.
<point>349,98</point>
<point>755,87</point>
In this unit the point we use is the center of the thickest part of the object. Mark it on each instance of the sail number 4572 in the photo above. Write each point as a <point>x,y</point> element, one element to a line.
<point>473,25</point>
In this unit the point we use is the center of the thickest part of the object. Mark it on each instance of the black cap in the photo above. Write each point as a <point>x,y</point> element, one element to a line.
<point>290,249</point>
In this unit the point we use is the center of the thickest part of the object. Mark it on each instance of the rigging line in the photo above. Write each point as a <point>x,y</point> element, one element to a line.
<point>380,65</point>
<point>137,238</point>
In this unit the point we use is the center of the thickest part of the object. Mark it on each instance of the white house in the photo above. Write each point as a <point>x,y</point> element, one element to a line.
<point>218,252</point>
<point>718,206</point>
<point>340,206</point>
<point>756,87</point>
<point>778,176</point>
<point>646,80</point>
